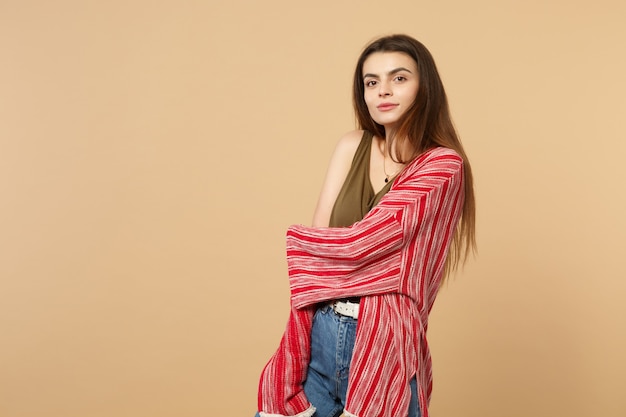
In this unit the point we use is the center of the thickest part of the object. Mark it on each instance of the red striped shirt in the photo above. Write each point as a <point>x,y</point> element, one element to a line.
<point>394,259</point>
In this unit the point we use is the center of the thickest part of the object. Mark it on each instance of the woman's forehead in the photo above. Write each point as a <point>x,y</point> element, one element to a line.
<point>383,62</point>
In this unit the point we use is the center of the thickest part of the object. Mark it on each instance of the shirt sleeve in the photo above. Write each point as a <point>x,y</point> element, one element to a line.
<point>281,386</point>
<point>368,257</point>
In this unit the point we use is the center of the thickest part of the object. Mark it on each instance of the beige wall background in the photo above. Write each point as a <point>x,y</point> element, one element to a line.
<point>152,154</point>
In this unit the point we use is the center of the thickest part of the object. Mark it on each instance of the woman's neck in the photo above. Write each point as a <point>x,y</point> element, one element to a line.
<point>398,149</point>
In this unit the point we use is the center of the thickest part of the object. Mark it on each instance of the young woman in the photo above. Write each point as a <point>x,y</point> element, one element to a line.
<point>395,215</point>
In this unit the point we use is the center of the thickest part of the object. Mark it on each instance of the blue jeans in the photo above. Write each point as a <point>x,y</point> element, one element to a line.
<point>332,342</point>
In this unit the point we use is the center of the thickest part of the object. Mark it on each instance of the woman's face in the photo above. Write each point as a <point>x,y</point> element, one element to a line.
<point>391,82</point>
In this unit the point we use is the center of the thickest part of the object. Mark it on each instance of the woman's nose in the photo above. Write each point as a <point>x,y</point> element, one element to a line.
<point>384,90</point>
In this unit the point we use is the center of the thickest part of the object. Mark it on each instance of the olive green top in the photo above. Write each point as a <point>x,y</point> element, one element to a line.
<point>357,196</point>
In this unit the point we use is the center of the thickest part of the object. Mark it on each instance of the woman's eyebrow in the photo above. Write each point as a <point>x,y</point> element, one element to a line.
<point>393,71</point>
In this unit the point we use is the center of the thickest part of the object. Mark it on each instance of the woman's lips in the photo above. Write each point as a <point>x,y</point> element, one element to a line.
<point>386,106</point>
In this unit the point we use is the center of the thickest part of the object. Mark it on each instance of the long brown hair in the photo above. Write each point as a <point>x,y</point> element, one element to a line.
<point>425,125</point>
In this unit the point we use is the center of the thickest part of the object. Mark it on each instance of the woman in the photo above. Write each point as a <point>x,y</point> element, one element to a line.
<point>364,278</point>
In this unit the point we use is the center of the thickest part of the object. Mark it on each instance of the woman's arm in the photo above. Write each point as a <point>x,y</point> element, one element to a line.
<point>281,385</point>
<point>337,172</point>
<point>421,210</point>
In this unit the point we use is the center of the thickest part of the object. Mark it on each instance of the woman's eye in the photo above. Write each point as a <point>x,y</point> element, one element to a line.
<point>370,83</point>
<point>400,78</point>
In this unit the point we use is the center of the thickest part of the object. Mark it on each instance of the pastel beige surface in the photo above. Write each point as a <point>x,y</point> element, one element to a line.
<point>152,155</point>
